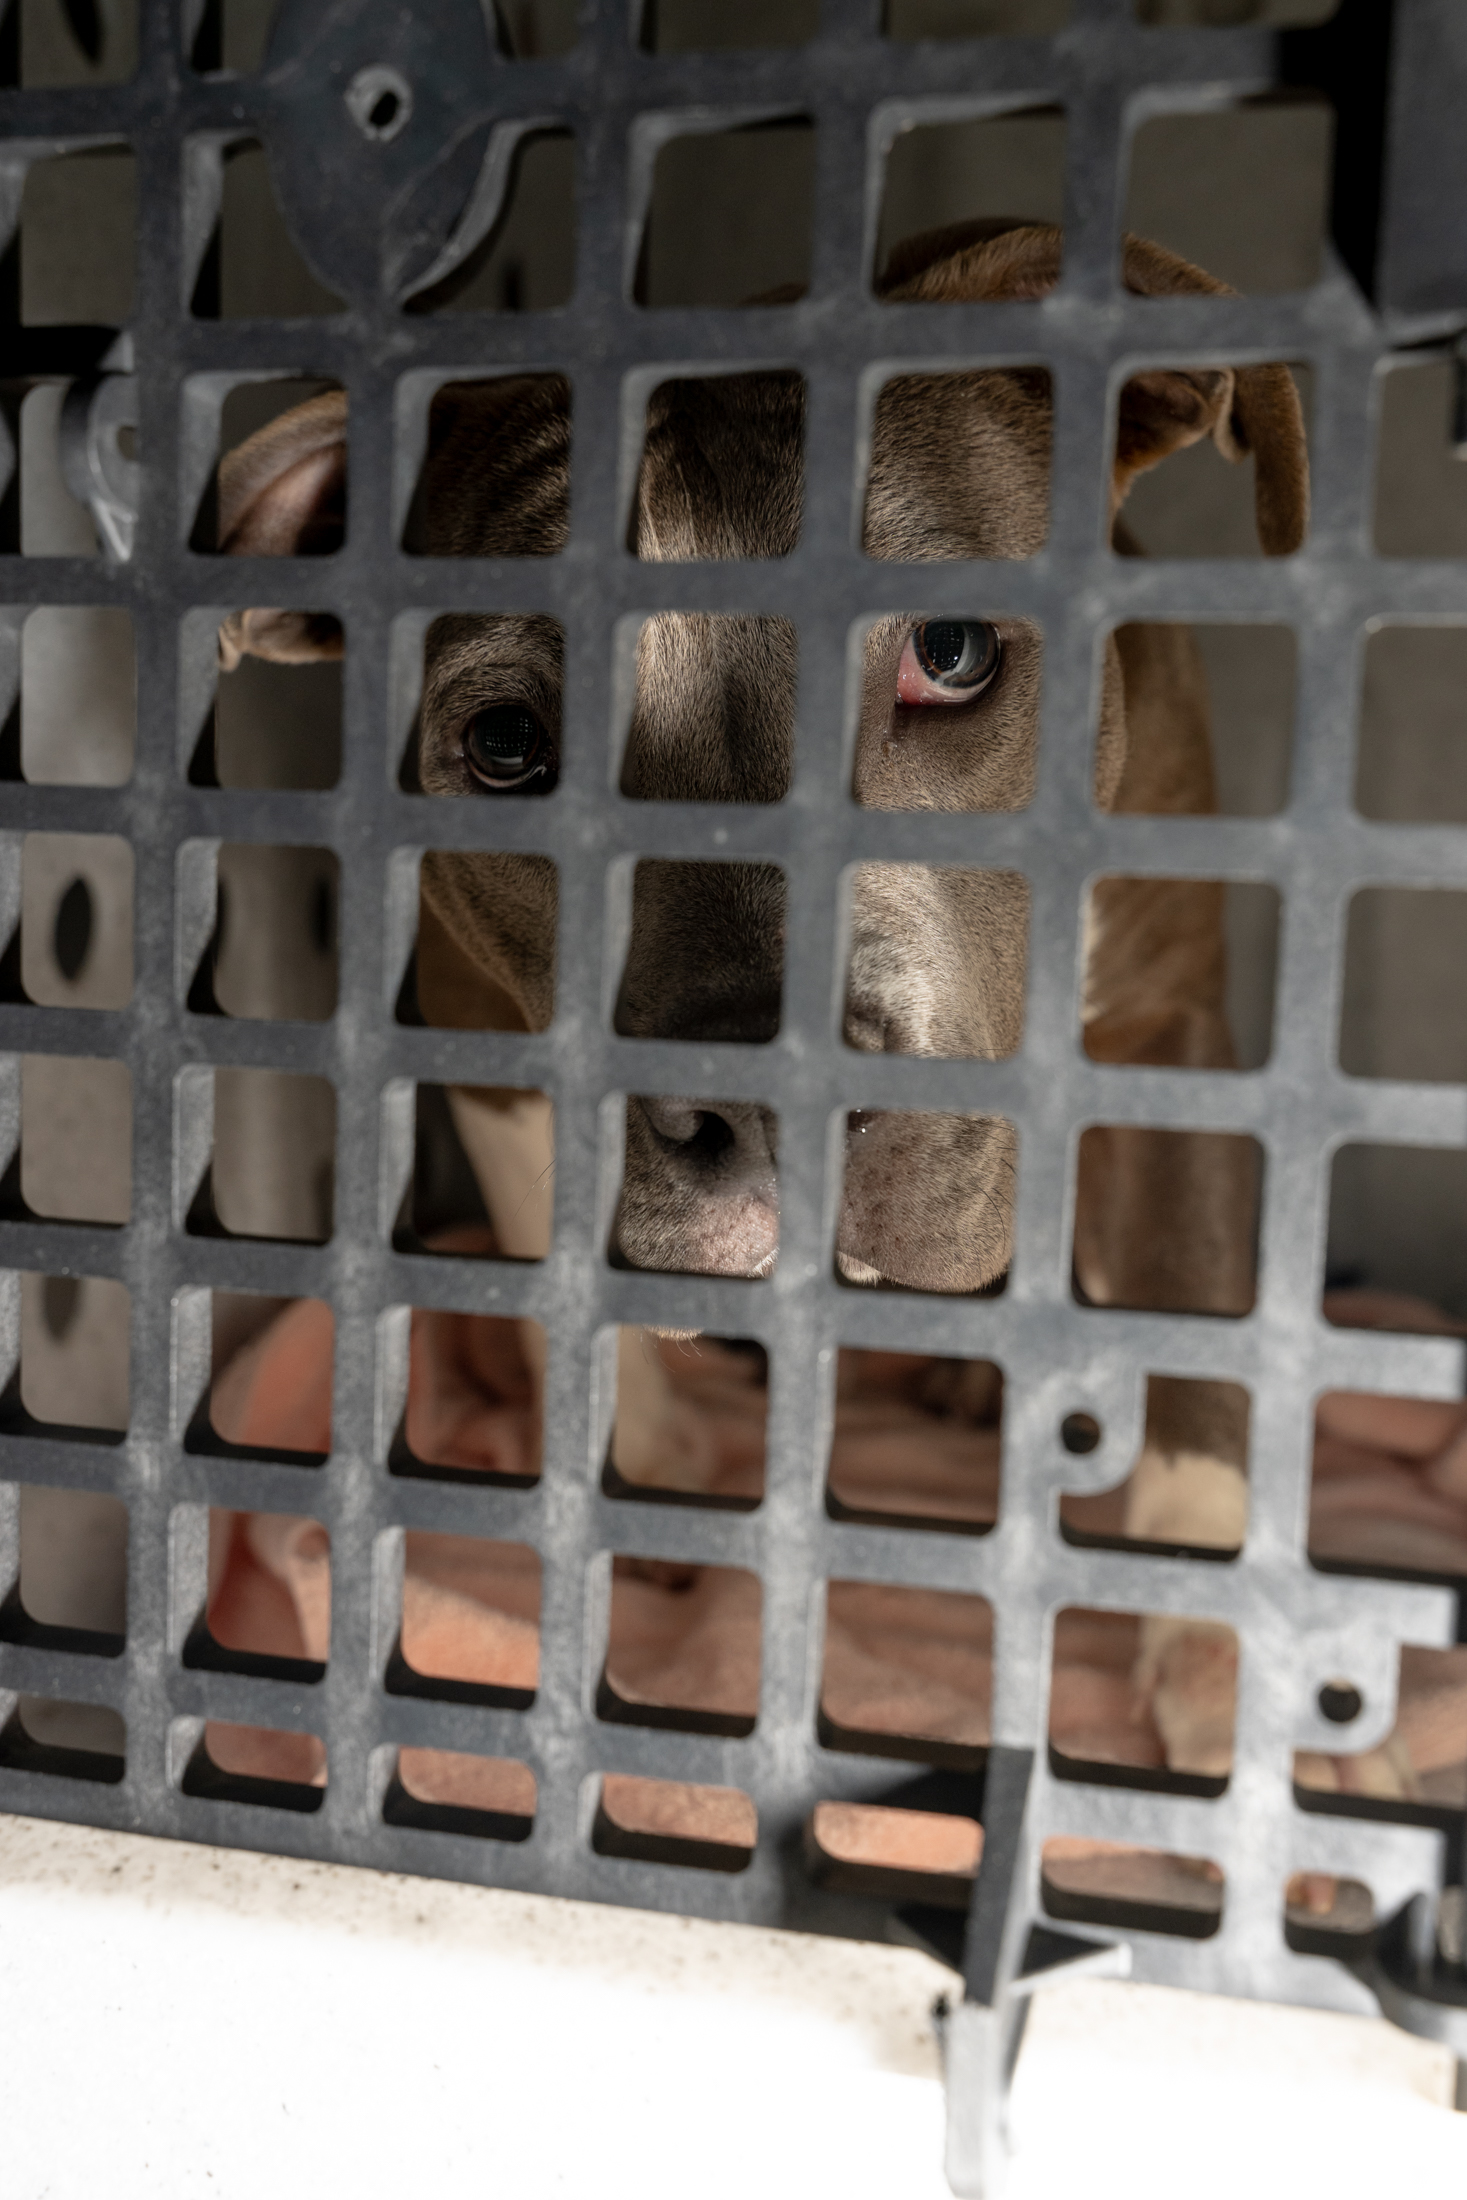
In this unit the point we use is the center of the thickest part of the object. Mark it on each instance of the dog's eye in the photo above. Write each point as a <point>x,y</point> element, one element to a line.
<point>506,746</point>
<point>948,661</point>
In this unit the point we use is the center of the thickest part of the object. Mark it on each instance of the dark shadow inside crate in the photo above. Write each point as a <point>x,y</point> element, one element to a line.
<point>708,26</point>
<point>275,724</point>
<point>71,1741</point>
<point>1129,1889</point>
<point>445,1210</point>
<point>1149,1779</point>
<point>67,44</point>
<point>202,1653</point>
<point>232,35</point>
<point>481,1798</point>
<point>911,20</point>
<point>526,260</point>
<point>272,1172</point>
<point>729,220</point>
<point>1003,169</point>
<point>673,1822</point>
<point>72,1380</point>
<point>443,1193</point>
<point>205,1777</point>
<point>273,952</point>
<point>252,267</point>
<point>918,1842</point>
<point>74,1160</point>
<point>74,944</point>
<point>1411,765</point>
<point>70,1592</point>
<point>1396,1256</point>
<point>1344,1927</point>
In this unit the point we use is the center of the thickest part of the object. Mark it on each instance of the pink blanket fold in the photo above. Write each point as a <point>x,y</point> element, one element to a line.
<point>1390,1487</point>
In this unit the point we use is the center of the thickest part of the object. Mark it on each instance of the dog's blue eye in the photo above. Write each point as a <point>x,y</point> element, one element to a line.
<point>505,746</point>
<point>957,653</point>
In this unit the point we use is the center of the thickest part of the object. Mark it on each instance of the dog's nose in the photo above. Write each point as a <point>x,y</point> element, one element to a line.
<point>733,1141</point>
<point>705,960</point>
<point>701,1192</point>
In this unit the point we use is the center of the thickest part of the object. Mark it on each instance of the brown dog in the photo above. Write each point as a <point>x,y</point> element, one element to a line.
<point>949,721</point>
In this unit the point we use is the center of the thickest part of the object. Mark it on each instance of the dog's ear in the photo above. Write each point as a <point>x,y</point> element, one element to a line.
<point>1243,409</point>
<point>967,261</point>
<point>283,494</point>
<point>285,637</point>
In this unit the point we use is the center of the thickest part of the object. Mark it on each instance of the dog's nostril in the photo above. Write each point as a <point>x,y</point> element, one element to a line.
<point>699,1130</point>
<point>712,1137</point>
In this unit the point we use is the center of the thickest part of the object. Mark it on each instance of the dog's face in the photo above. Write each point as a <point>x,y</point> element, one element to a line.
<point>948,720</point>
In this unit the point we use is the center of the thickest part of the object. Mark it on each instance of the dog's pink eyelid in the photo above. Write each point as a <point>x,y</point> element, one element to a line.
<point>919,691</point>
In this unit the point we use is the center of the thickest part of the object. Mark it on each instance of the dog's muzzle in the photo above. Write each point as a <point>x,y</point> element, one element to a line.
<point>701,1192</point>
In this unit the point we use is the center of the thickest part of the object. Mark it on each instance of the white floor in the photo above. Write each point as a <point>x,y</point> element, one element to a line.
<point>180,2021</point>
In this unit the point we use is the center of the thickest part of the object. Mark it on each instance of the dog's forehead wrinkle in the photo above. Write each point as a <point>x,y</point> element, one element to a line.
<point>472,661</point>
<point>960,466</point>
<point>722,471</point>
<point>496,481</point>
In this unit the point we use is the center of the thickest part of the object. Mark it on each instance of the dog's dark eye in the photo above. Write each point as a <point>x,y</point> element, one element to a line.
<point>506,746</point>
<point>948,661</point>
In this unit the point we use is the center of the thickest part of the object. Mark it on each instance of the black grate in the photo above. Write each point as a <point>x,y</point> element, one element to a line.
<point>372,206</point>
